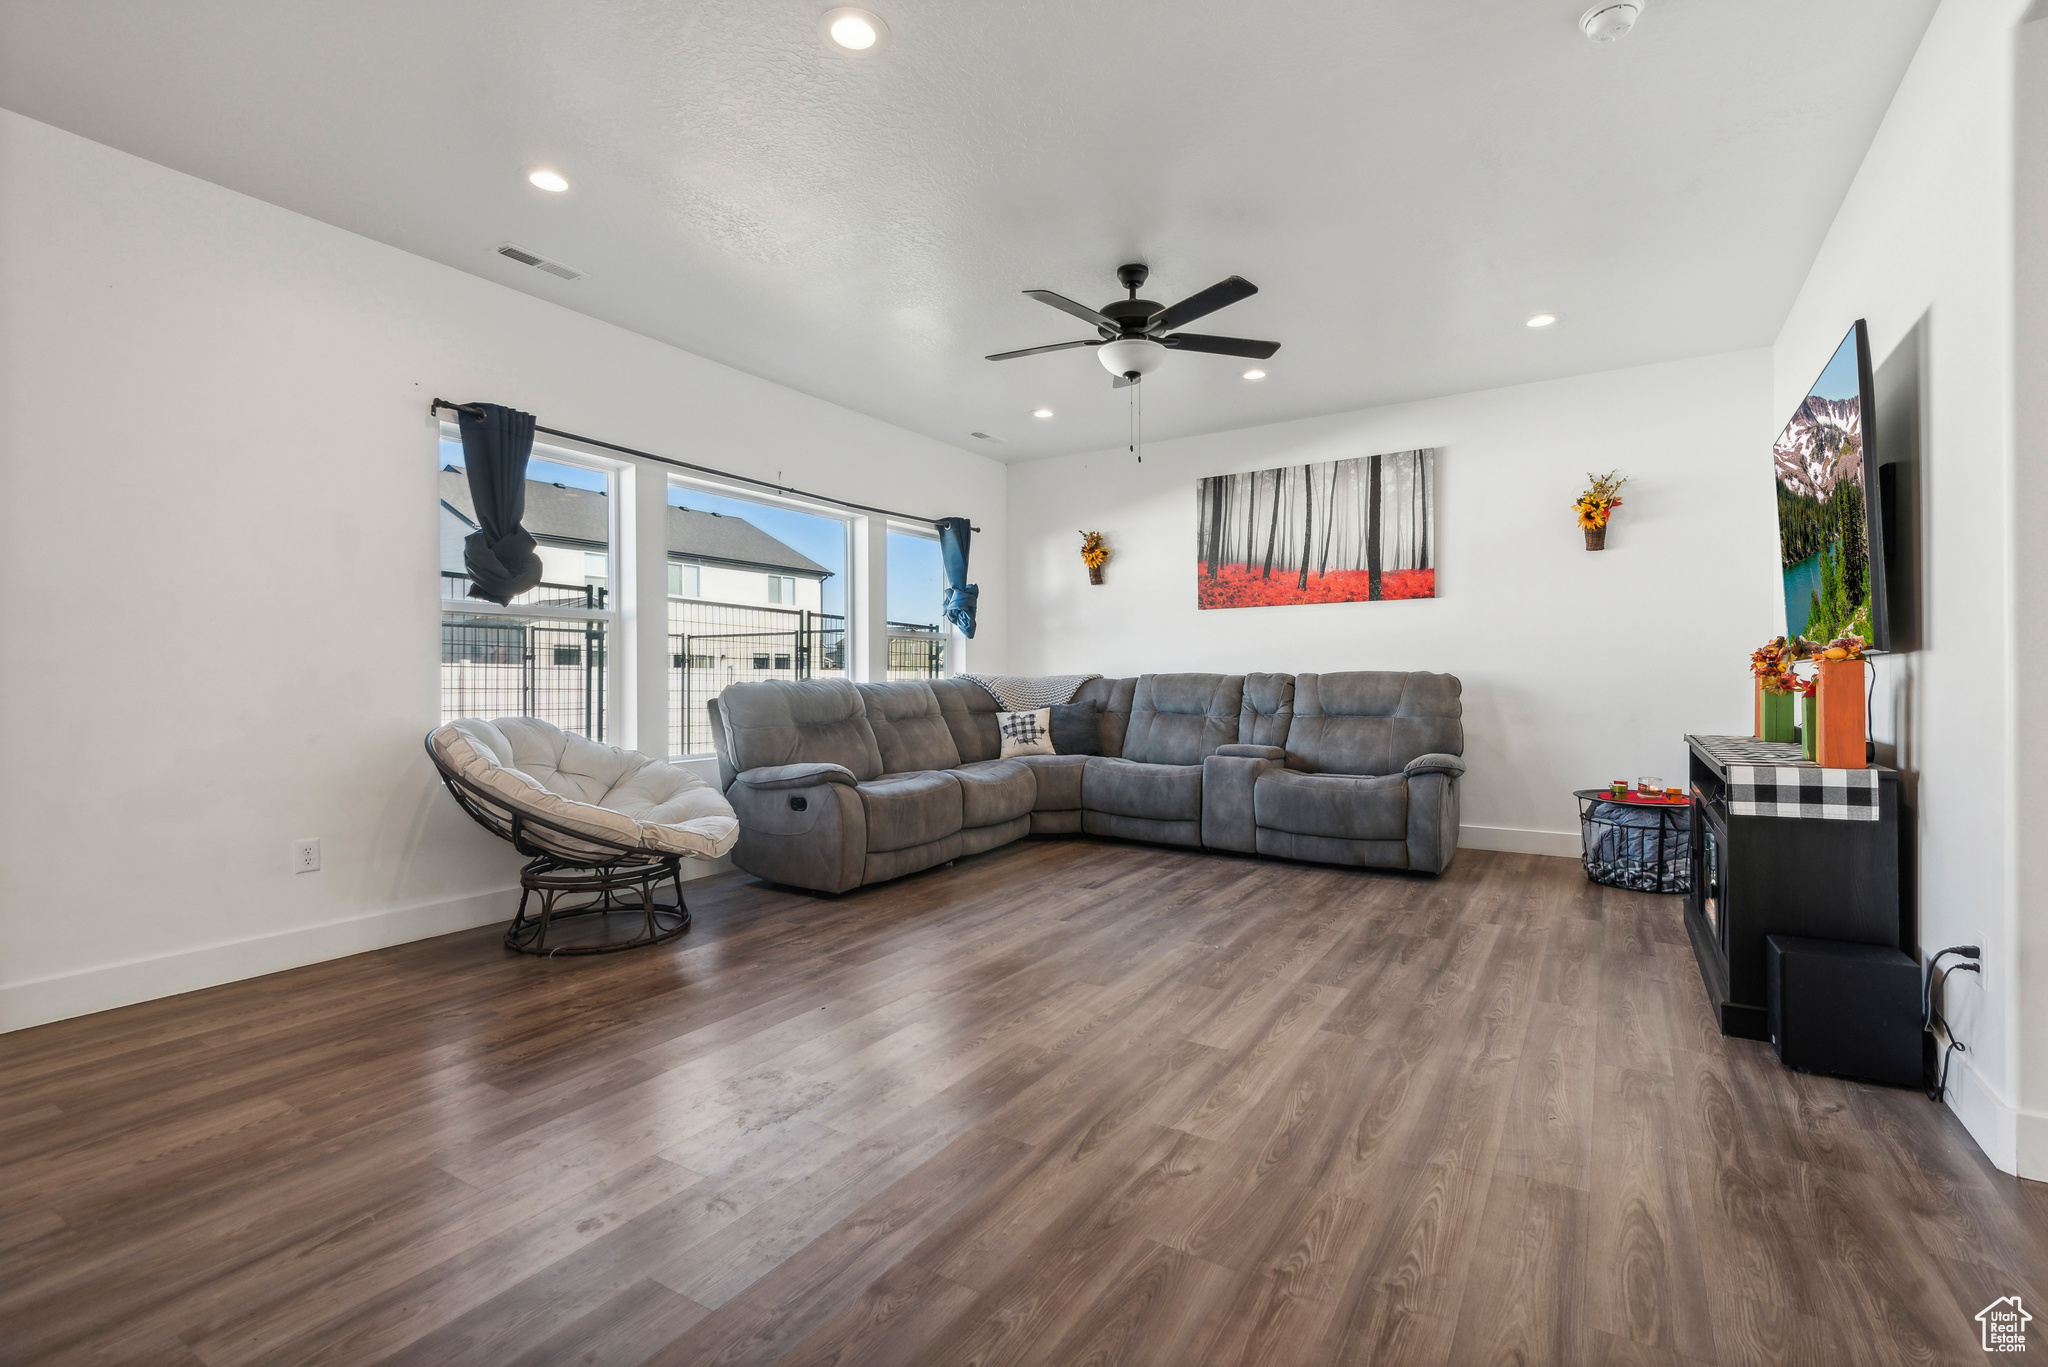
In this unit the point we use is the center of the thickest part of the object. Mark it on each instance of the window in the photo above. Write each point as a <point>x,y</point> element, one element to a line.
<point>543,655</point>
<point>757,590</point>
<point>917,594</point>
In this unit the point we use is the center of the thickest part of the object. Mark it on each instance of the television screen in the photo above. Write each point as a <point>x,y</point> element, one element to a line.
<point>1827,530</point>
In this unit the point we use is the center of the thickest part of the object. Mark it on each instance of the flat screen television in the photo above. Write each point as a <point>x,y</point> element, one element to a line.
<point>1830,532</point>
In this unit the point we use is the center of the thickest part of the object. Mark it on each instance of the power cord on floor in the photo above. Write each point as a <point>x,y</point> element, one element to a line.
<point>1931,992</point>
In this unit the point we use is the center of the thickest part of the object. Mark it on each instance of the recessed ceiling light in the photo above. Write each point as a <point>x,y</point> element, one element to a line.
<point>855,30</point>
<point>1041,412</point>
<point>1542,320</point>
<point>1255,374</point>
<point>548,180</point>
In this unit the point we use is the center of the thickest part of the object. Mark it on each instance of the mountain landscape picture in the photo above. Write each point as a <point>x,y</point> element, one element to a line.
<point>1341,531</point>
<point>1823,532</point>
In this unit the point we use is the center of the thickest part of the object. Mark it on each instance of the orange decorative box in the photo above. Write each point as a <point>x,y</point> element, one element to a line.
<point>1839,716</point>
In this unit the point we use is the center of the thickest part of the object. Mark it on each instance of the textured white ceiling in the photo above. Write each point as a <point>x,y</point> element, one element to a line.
<point>1406,183</point>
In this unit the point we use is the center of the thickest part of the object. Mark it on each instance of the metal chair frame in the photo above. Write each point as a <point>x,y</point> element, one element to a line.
<point>556,876</point>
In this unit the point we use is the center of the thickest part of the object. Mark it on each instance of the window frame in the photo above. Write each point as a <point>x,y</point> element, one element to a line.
<point>949,635</point>
<point>678,725</point>
<point>619,655</point>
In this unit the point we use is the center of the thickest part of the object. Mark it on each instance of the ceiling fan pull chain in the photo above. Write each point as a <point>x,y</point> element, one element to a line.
<point>1137,423</point>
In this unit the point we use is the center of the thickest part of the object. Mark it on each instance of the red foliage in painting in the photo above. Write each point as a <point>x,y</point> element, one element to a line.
<point>1241,586</point>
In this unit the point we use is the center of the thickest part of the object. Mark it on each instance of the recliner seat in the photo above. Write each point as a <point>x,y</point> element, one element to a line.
<point>837,785</point>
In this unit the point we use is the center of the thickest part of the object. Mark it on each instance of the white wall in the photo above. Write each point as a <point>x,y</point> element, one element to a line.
<point>1925,237</point>
<point>184,369</point>
<point>1578,667</point>
<point>2029,614</point>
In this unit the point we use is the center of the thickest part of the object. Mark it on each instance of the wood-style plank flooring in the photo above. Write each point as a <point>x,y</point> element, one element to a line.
<point>1069,1102</point>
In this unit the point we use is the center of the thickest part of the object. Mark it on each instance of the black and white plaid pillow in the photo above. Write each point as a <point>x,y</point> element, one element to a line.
<point>1026,733</point>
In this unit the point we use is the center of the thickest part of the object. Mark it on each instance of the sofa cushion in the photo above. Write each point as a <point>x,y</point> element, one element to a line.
<point>524,765</point>
<point>1076,730</point>
<point>1182,718</point>
<point>1026,733</point>
<point>811,721</point>
<point>1336,806</point>
<point>1113,699</point>
<point>910,731</point>
<point>993,791</point>
<point>1268,709</point>
<point>970,713</point>
<point>1155,792</point>
<point>1371,722</point>
<point>908,810</point>
<point>1059,781</point>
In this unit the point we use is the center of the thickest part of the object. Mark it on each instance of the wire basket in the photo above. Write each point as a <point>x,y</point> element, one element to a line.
<point>1640,846</point>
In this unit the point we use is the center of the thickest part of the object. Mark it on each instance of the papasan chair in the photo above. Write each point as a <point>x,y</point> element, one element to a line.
<point>603,828</point>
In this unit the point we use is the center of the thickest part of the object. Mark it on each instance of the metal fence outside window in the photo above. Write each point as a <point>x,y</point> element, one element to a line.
<point>503,666</point>
<point>712,645</point>
<point>916,651</point>
<point>495,665</point>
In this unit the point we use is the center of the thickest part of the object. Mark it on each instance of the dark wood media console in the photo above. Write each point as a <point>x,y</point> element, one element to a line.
<point>1831,872</point>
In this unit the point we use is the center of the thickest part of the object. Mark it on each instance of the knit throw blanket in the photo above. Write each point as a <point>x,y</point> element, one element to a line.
<point>1018,693</point>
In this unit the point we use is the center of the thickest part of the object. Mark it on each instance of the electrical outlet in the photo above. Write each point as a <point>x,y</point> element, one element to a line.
<point>306,856</point>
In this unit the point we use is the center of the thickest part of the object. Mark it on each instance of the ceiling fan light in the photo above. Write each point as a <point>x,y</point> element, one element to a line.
<point>1131,356</point>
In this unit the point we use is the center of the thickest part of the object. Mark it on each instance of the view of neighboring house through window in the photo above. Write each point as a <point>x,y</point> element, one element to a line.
<point>544,655</point>
<point>917,595</point>
<point>756,591</point>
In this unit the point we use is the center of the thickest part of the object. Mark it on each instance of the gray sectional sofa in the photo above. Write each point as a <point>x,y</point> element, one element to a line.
<point>837,785</point>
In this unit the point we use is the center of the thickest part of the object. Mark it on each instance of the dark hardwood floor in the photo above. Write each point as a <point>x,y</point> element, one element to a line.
<point>1069,1103</point>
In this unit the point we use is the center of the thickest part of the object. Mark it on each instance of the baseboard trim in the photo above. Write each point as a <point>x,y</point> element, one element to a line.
<point>1513,840</point>
<point>2015,1141</point>
<point>168,975</point>
<point>108,986</point>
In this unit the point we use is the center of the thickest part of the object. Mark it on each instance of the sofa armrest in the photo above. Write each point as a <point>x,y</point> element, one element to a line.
<point>807,833</point>
<point>1228,781</point>
<point>797,776</point>
<point>1435,764</point>
<point>1252,752</point>
<point>1432,819</point>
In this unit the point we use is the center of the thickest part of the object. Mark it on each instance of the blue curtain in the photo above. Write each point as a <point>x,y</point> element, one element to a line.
<point>961,596</point>
<point>501,557</point>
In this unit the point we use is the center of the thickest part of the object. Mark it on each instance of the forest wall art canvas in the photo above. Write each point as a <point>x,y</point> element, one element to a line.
<point>1342,531</point>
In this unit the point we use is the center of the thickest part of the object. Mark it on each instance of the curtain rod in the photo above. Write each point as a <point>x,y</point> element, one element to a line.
<point>437,405</point>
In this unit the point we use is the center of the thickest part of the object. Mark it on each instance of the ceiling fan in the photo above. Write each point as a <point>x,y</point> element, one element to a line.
<point>1137,333</point>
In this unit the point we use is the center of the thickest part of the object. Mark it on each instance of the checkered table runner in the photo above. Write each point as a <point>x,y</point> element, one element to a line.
<point>1767,778</point>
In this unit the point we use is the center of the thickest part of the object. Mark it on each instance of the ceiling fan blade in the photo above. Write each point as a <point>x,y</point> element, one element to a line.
<point>1081,311</point>
<point>1034,350</point>
<point>1222,346</point>
<point>1121,382</point>
<point>1219,295</point>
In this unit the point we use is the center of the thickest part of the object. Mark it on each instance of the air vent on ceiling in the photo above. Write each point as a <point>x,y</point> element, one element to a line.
<point>983,436</point>
<point>539,262</point>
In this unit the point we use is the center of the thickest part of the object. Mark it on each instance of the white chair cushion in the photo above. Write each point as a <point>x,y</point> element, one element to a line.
<point>597,790</point>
